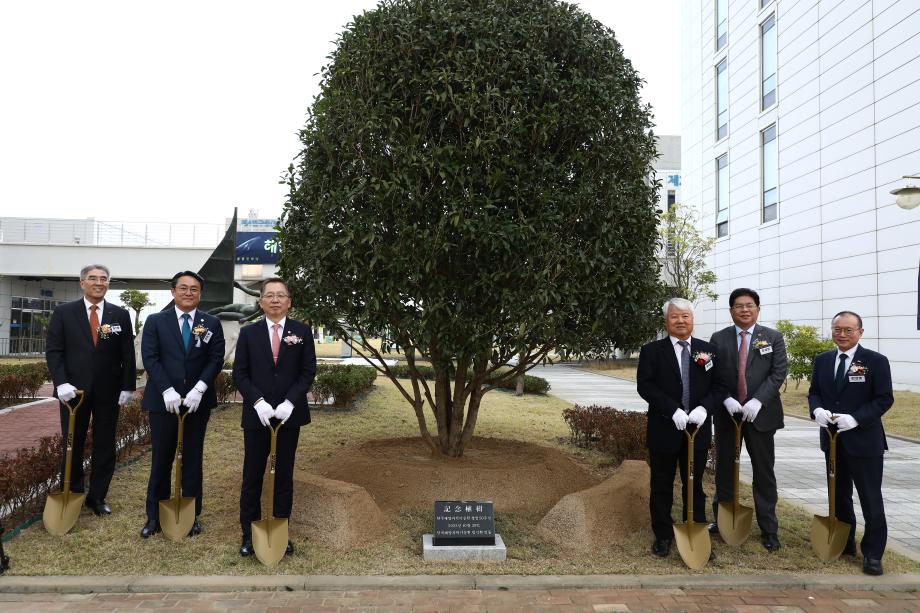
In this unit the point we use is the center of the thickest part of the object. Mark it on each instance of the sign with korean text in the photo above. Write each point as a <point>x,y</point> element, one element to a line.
<point>256,248</point>
<point>463,522</point>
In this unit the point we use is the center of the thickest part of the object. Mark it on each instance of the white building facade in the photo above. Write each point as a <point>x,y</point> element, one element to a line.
<point>800,116</point>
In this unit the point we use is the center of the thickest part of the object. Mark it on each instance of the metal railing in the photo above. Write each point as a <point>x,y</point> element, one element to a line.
<point>22,346</point>
<point>91,231</point>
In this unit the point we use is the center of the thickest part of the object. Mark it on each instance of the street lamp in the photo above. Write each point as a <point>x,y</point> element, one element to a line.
<point>907,197</point>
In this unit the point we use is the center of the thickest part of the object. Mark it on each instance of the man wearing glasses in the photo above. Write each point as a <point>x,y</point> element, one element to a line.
<point>273,368</point>
<point>750,370</point>
<point>183,350</point>
<point>90,347</point>
<point>851,389</point>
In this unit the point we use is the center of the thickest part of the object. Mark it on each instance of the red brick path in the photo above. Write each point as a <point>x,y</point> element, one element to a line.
<point>25,427</point>
<point>425,601</point>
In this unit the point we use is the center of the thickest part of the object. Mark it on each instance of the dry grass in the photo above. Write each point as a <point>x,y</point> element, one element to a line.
<point>624,369</point>
<point>112,546</point>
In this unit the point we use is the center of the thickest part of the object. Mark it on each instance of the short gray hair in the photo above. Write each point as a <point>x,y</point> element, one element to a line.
<point>85,270</point>
<point>681,304</point>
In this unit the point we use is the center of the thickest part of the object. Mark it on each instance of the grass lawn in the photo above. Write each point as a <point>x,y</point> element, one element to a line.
<point>624,369</point>
<point>112,546</point>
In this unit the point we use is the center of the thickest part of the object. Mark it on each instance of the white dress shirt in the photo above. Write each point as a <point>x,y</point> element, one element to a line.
<point>747,338</point>
<point>849,353</point>
<point>678,350</point>
<point>271,324</point>
<point>191,317</point>
<point>87,305</point>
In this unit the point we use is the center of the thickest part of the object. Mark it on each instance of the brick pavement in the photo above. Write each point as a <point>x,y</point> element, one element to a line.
<point>476,600</point>
<point>26,425</point>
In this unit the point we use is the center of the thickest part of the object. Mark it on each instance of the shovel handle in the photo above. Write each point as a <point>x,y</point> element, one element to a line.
<point>71,424</point>
<point>832,433</point>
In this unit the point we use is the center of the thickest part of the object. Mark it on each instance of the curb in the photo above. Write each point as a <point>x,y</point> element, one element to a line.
<point>281,583</point>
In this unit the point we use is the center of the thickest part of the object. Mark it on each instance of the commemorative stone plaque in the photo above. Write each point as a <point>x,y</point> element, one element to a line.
<point>463,522</point>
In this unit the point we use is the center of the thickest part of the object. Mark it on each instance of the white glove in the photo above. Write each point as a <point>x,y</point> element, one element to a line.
<point>264,411</point>
<point>172,399</point>
<point>680,419</point>
<point>125,397</point>
<point>284,410</point>
<point>66,392</point>
<point>845,422</point>
<point>823,417</point>
<point>732,405</point>
<point>697,416</point>
<point>193,399</point>
<point>750,409</point>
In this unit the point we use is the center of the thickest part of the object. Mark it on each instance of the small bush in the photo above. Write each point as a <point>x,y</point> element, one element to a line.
<point>224,386</point>
<point>21,380</point>
<point>532,385</point>
<point>341,383</point>
<point>618,433</point>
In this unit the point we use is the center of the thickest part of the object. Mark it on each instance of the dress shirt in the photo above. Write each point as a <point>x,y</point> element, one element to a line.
<point>678,350</point>
<point>87,304</point>
<point>849,353</point>
<point>191,318</point>
<point>270,324</point>
<point>747,339</point>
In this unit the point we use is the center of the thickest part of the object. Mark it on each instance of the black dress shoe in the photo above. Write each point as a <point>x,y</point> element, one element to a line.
<point>871,566</point>
<point>196,528</point>
<point>770,542</point>
<point>151,527</point>
<point>661,547</point>
<point>99,507</point>
<point>713,528</point>
<point>290,549</point>
<point>246,549</point>
<point>849,549</point>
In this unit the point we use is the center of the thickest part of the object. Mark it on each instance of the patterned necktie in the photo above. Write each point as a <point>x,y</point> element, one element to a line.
<point>840,379</point>
<point>742,367</point>
<point>94,324</point>
<point>685,374</point>
<point>276,342</point>
<point>186,332</point>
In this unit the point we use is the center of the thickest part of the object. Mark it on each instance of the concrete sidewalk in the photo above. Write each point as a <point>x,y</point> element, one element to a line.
<point>800,472</point>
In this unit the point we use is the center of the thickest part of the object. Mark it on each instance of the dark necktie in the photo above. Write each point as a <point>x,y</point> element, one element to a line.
<point>742,368</point>
<point>685,374</point>
<point>840,379</point>
<point>186,332</point>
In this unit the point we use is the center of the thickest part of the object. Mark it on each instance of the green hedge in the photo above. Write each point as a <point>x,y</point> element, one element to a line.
<point>21,380</point>
<point>532,385</point>
<point>341,383</point>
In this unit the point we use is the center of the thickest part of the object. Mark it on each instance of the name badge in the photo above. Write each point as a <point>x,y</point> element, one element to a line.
<point>766,350</point>
<point>708,365</point>
<point>115,328</point>
<point>208,336</point>
<point>857,378</point>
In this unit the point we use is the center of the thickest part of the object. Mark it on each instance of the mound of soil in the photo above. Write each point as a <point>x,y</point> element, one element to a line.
<point>516,476</point>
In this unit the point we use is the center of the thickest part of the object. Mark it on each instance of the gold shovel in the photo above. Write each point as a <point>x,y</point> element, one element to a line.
<point>177,514</point>
<point>734,519</point>
<point>63,508</point>
<point>692,538</point>
<point>828,534</point>
<point>270,536</point>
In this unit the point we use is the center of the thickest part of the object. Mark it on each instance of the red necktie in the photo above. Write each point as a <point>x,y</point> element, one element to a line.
<point>742,367</point>
<point>94,323</point>
<point>276,342</point>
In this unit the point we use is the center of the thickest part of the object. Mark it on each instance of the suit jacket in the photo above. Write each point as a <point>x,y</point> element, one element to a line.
<point>168,365</point>
<point>257,376</point>
<point>765,374</point>
<point>658,382</point>
<point>865,400</point>
<point>106,368</point>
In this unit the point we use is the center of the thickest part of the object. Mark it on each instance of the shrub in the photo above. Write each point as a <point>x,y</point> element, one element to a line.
<point>341,383</point>
<point>532,385</point>
<point>618,433</point>
<point>224,386</point>
<point>802,345</point>
<point>21,380</point>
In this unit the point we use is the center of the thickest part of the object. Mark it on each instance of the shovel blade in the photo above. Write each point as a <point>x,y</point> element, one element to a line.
<point>269,539</point>
<point>693,544</point>
<point>734,522</point>
<point>61,511</point>
<point>176,526</point>
<point>828,537</point>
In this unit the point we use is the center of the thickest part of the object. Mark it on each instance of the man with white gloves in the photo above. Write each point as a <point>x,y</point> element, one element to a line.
<point>183,352</point>
<point>273,369</point>
<point>90,347</point>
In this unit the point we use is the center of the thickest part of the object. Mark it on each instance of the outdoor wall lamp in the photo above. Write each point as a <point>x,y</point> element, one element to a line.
<point>907,197</point>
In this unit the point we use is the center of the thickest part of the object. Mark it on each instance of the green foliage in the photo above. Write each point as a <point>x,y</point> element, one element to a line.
<point>683,262</point>
<point>341,383</point>
<point>19,381</point>
<point>473,186</point>
<point>802,345</point>
<point>135,300</point>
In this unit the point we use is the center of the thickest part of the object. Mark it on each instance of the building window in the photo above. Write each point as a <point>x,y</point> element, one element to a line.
<point>770,182</point>
<point>764,3</point>
<point>29,319</point>
<point>722,196</point>
<point>672,199</point>
<point>768,63</point>
<point>721,23</point>
<point>722,100</point>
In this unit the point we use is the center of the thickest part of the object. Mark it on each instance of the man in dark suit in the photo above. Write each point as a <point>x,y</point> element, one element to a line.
<point>183,351</point>
<point>675,376</point>
<point>851,388</point>
<point>90,346</point>
<point>273,368</point>
<point>750,370</point>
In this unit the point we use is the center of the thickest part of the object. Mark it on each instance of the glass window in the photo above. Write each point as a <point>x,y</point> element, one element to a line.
<point>768,63</point>
<point>770,173</point>
<point>722,100</point>
<point>721,23</point>
<point>722,196</point>
<point>672,198</point>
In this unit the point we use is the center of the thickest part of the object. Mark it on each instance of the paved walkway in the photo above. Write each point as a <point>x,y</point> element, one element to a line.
<point>26,424</point>
<point>799,461</point>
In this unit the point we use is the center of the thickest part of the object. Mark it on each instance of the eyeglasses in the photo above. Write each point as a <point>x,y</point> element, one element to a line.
<point>273,296</point>
<point>847,331</point>
<point>750,306</point>
<point>95,279</point>
<point>185,289</point>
